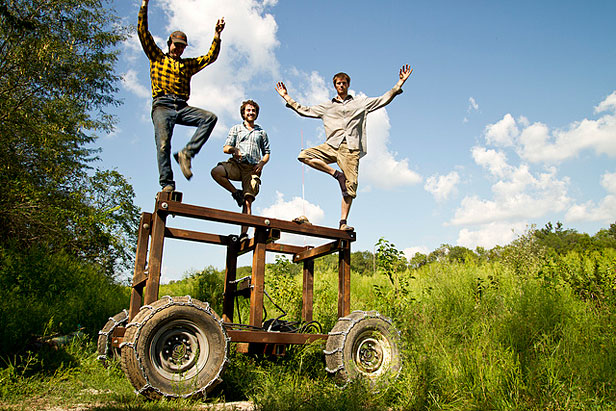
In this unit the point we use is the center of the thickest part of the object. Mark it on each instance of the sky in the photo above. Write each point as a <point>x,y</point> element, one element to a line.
<point>508,120</point>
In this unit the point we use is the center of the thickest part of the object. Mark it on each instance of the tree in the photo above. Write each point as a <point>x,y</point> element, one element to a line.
<point>56,80</point>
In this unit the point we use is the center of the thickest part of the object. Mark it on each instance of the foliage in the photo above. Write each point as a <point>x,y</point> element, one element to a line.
<point>43,293</point>
<point>56,78</point>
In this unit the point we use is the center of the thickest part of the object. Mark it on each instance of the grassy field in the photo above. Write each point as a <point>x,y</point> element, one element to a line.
<point>524,333</point>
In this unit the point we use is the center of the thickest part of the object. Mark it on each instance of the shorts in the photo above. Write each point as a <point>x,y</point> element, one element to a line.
<point>243,172</point>
<point>347,160</point>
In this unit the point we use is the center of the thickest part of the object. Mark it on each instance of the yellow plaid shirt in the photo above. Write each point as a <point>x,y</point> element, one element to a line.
<point>170,76</point>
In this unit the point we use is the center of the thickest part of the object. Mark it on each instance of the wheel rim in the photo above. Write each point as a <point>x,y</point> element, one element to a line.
<point>179,350</point>
<point>371,353</point>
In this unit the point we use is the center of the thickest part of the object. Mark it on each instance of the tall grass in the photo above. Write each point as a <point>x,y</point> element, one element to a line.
<point>524,332</point>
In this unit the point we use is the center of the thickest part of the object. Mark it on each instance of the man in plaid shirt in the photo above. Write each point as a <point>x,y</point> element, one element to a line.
<point>249,147</point>
<point>170,75</point>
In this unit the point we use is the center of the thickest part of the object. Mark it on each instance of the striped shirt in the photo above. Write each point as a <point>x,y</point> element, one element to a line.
<point>253,144</point>
<point>168,75</point>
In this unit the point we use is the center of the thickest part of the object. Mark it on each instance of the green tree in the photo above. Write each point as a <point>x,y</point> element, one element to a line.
<point>56,80</point>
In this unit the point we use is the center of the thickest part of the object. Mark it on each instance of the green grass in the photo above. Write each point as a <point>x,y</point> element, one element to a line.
<point>476,336</point>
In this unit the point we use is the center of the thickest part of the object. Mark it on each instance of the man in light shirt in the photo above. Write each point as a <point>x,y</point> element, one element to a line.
<point>344,119</point>
<point>249,147</point>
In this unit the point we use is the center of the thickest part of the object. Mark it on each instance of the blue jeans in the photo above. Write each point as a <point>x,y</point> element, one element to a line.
<point>167,111</point>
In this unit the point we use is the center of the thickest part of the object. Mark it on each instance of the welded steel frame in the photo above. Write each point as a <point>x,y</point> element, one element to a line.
<point>153,230</point>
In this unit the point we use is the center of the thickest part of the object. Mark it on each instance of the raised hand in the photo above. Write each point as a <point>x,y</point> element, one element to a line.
<point>220,25</point>
<point>281,89</point>
<point>405,72</point>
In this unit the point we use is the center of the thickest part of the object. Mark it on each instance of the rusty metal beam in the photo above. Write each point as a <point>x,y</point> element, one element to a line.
<point>181,234</point>
<point>318,251</point>
<point>258,278</point>
<point>205,213</point>
<point>238,336</point>
<point>344,280</point>
<point>307,290</point>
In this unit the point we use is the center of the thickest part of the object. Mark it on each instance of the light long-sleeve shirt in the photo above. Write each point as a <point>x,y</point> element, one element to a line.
<point>346,119</point>
<point>168,75</point>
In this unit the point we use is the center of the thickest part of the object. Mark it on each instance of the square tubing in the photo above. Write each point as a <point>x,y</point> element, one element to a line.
<point>344,279</point>
<point>143,239</point>
<point>159,219</point>
<point>258,278</point>
<point>307,293</point>
<point>230,274</point>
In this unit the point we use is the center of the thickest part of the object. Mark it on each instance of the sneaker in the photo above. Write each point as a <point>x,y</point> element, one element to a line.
<point>183,160</point>
<point>345,227</point>
<point>238,196</point>
<point>168,188</point>
<point>243,237</point>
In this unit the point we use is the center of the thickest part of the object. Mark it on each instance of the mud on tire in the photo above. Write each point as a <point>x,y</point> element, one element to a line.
<point>176,347</point>
<point>104,348</point>
<point>363,345</point>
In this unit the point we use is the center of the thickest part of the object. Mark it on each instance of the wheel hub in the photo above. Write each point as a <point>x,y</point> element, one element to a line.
<point>369,355</point>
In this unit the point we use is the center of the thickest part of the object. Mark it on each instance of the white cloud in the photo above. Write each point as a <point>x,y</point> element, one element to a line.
<point>472,105</point>
<point>494,161</point>
<point>381,167</point>
<point>288,210</point>
<point>491,234</point>
<point>538,143</point>
<point>130,82</point>
<point>502,133</point>
<point>442,186</point>
<point>411,251</point>
<point>604,211</point>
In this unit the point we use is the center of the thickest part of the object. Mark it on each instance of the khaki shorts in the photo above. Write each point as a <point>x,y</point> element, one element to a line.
<point>347,160</point>
<point>243,172</point>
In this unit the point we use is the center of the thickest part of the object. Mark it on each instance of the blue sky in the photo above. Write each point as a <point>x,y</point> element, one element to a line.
<point>508,120</point>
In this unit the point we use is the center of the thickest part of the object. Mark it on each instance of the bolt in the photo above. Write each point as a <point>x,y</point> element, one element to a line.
<point>146,226</point>
<point>267,221</point>
<point>164,206</point>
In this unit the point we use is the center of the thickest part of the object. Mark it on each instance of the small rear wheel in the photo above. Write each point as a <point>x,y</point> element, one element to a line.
<point>176,347</point>
<point>363,345</point>
<point>105,350</point>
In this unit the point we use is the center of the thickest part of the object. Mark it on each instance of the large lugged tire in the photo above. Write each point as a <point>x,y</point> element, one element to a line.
<point>104,348</point>
<point>177,347</point>
<point>363,345</point>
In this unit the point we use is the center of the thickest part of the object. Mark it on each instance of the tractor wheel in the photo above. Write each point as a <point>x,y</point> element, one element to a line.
<point>104,348</point>
<point>363,345</point>
<point>176,347</point>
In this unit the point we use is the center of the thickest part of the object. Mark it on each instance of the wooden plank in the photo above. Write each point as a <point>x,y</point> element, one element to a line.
<point>181,234</point>
<point>269,337</point>
<point>230,285</point>
<point>159,218</point>
<point>205,213</point>
<point>258,278</point>
<point>344,280</point>
<point>318,251</point>
<point>247,246</point>
<point>286,248</point>
<point>139,276</point>
<point>307,290</point>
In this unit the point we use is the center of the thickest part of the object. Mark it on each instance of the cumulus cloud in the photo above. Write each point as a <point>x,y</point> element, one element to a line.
<point>411,251</point>
<point>603,211</point>
<point>288,210</point>
<point>442,186</point>
<point>130,82</point>
<point>491,234</point>
<point>537,143</point>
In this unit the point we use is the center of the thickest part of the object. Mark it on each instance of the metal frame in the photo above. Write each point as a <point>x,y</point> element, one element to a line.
<point>153,230</point>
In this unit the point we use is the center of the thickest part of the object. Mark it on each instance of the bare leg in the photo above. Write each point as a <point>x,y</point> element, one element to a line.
<point>318,165</point>
<point>346,207</point>
<point>247,209</point>
<point>219,175</point>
